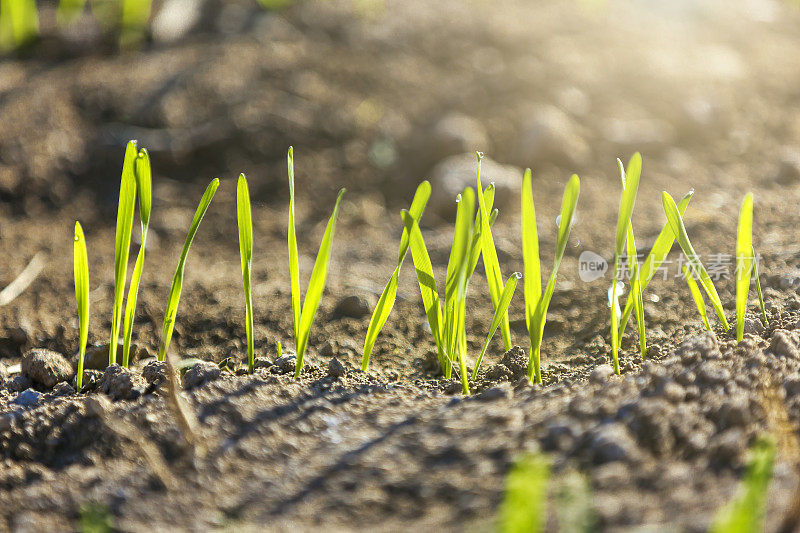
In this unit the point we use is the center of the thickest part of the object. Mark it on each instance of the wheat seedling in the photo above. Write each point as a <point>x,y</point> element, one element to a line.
<point>245,221</point>
<point>81,270</point>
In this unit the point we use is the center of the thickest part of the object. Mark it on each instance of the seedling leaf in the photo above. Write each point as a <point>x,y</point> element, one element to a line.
<point>697,296</point>
<point>505,300</point>
<point>389,294</point>
<point>81,271</point>
<point>144,191</point>
<point>532,280</point>
<point>569,204</point>
<point>744,262</point>
<point>127,203</point>
<point>316,285</point>
<point>245,221</point>
<point>679,230</point>
<point>294,265</point>
<point>490,262</point>
<point>177,280</point>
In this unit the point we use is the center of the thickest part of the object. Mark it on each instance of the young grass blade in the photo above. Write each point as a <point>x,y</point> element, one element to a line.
<point>744,262</point>
<point>177,280</point>
<point>475,245</point>
<point>81,268</point>
<point>127,203</point>
<point>523,506</point>
<point>658,253</point>
<point>745,513</point>
<point>490,262</point>
<point>135,14</point>
<point>245,221</point>
<point>633,174</point>
<point>679,230</point>
<point>389,294</point>
<point>505,301</point>
<point>569,204</point>
<point>427,282</point>
<point>316,285</point>
<point>697,296</point>
<point>294,264</point>
<point>758,288</point>
<point>636,285</point>
<point>466,213</point>
<point>144,188</point>
<point>532,280</point>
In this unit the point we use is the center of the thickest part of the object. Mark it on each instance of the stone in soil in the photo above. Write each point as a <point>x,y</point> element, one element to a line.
<point>353,306</point>
<point>28,398</point>
<point>45,367</point>
<point>201,373</point>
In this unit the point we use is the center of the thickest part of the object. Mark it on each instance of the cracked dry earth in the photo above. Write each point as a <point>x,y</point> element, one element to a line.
<point>376,102</point>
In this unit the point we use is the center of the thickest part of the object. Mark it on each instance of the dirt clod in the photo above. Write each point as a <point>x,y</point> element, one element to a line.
<point>516,362</point>
<point>601,373</point>
<point>118,383</point>
<point>283,365</point>
<point>45,367</point>
<point>28,398</point>
<point>336,369</point>
<point>200,373</point>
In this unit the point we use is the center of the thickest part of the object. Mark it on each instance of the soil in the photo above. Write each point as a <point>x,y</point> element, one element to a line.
<point>376,96</point>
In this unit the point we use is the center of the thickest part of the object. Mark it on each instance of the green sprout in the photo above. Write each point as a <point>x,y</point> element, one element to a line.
<point>177,280</point>
<point>696,266</point>
<point>523,506</point>
<point>448,324</point>
<point>744,262</point>
<point>245,220</point>
<point>144,187</point>
<point>81,267</point>
<point>636,284</point>
<point>490,262</point>
<point>19,23</point>
<point>630,188</point>
<point>303,320</point>
<point>697,296</point>
<point>127,203</point>
<point>758,288</point>
<point>746,512</point>
<point>644,274</point>
<point>536,302</point>
<point>386,302</point>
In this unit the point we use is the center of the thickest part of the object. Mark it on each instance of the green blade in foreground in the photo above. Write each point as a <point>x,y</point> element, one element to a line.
<point>19,23</point>
<point>386,302</point>
<point>244,219</point>
<point>294,263</point>
<point>746,512</point>
<point>658,253</point>
<point>177,280</point>
<point>569,204</point>
<point>144,189</point>
<point>744,262</point>
<point>679,230</point>
<point>122,245</point>
<point>505,301</point>
<point>491,263</point>
<point>758,289</point>
<point>316,285</point>
<point>427,282</point>
<point>697,296</point>
<point>523,506</point>
<point>81,270</point>
<point>532,280</point>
